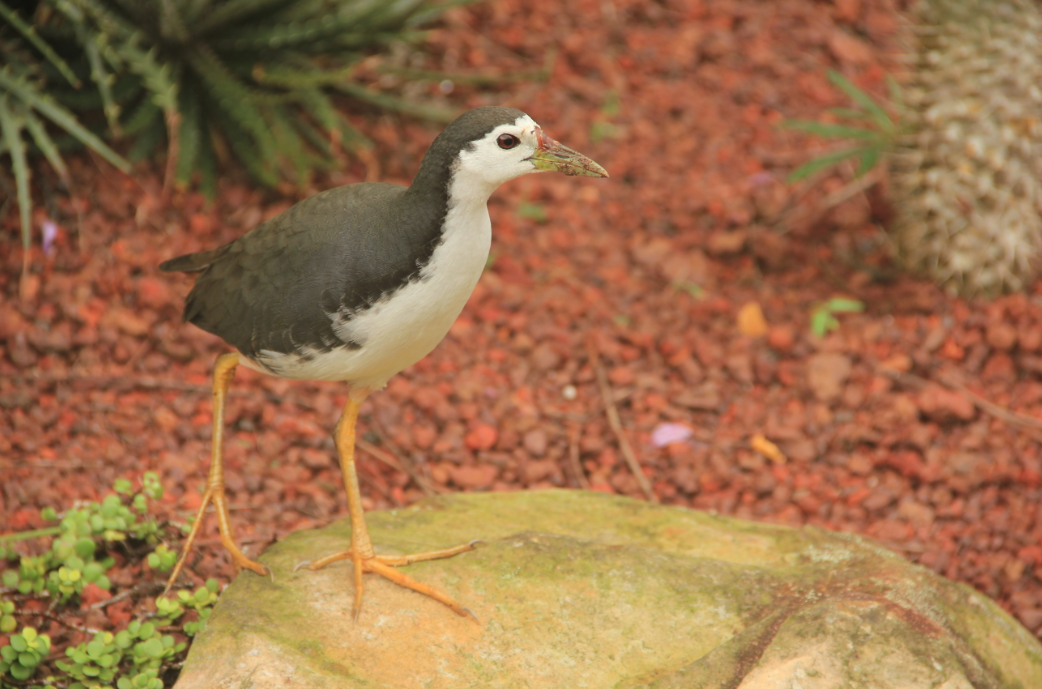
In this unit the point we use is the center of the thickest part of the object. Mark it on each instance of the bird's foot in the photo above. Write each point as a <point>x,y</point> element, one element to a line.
<point>241,562</point>
<point>384,565</point>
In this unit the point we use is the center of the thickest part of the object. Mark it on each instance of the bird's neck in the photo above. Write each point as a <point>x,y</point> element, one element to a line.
<point>469,188</point>
<point>463,187</point>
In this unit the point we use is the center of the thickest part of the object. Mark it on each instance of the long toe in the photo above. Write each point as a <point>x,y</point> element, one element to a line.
<point>402,560</point>
<point>246,563</point>
<point>386,571</point>
<point>384,565</point>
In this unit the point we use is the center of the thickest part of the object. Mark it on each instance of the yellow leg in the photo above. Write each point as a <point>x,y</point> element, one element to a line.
<point>223,372</point>
<point>361,552</point>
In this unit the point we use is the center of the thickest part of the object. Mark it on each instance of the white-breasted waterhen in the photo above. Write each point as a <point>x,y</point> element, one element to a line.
<point>355,284</point>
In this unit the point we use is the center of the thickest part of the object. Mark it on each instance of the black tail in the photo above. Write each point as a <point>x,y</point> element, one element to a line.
<point>192,263</point>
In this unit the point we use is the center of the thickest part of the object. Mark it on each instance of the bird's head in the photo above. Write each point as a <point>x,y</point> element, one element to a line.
<point>520,146</point>
<point>493,145</point>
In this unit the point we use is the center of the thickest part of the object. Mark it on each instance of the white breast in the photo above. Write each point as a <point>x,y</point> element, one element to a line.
<point>404,327</point>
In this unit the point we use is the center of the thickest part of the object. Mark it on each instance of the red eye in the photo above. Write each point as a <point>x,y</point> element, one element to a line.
<point>507,141</point>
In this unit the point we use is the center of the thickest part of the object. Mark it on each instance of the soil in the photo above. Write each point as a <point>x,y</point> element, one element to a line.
<point>688,279</point>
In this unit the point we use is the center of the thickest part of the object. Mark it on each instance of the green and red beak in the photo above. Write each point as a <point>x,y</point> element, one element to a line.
<point>553,155</point>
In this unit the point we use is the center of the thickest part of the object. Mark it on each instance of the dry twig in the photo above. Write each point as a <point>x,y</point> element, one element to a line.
<point>573,457</point>
<point>55,618</point>
<point>395,452</point>
<point>612,412</point>
<point>1029,424</point>
<point>397,464</point>
<point>133,590</point>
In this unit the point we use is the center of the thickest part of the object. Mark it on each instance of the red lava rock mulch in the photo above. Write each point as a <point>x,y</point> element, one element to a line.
<point>689,276</point>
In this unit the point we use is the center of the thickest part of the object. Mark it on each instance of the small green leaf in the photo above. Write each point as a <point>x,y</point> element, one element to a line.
<point>92,572</point>
<point>851,114</point>
<point>20,672</point>
<point>841,305</point>
<point>151,486</point>
<point>822,162</point>
<point>85,548</point>
<point>819,322</point>
<point>869,158</point>
<point>833,131</point>
<point>153,648</point>
<point>861,98</point>
<point>96,648</point>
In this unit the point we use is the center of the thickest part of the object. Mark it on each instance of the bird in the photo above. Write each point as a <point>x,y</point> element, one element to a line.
<point>353,285</point>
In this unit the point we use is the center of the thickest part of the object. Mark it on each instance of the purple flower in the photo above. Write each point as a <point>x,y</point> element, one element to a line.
<point>50,232</point>
<point>666,433</point>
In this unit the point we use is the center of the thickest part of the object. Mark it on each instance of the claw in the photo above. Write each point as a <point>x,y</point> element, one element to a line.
<point>301,565</point>
<point>471,613</point>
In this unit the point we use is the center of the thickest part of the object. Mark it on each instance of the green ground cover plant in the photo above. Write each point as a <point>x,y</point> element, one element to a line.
<point>46,589</point>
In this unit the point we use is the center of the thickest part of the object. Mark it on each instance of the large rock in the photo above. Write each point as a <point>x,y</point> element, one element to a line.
<point>585,590</point>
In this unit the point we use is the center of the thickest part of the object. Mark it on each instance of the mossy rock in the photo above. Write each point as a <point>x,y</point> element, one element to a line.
<point>579,589</point>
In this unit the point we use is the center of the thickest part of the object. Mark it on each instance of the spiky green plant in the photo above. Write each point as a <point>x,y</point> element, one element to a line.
<point>253,78</point>
<point>873,130</point>
<point>26,109</point>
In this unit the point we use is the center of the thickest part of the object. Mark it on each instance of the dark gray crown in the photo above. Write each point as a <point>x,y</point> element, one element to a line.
<point>469,127</point>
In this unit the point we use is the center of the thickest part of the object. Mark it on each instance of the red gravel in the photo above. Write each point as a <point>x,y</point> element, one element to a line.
<point>917,423</point>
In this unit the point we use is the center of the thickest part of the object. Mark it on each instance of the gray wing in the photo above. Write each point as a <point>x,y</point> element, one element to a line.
<point>339,251</point>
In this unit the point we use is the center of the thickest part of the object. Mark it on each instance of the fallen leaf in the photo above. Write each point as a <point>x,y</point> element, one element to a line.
<point>722,242</point>
<point>751,321</point>
<point>768,449</point>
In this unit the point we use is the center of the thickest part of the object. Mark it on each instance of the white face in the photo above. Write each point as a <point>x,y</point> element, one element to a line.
<point>502,155</point>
